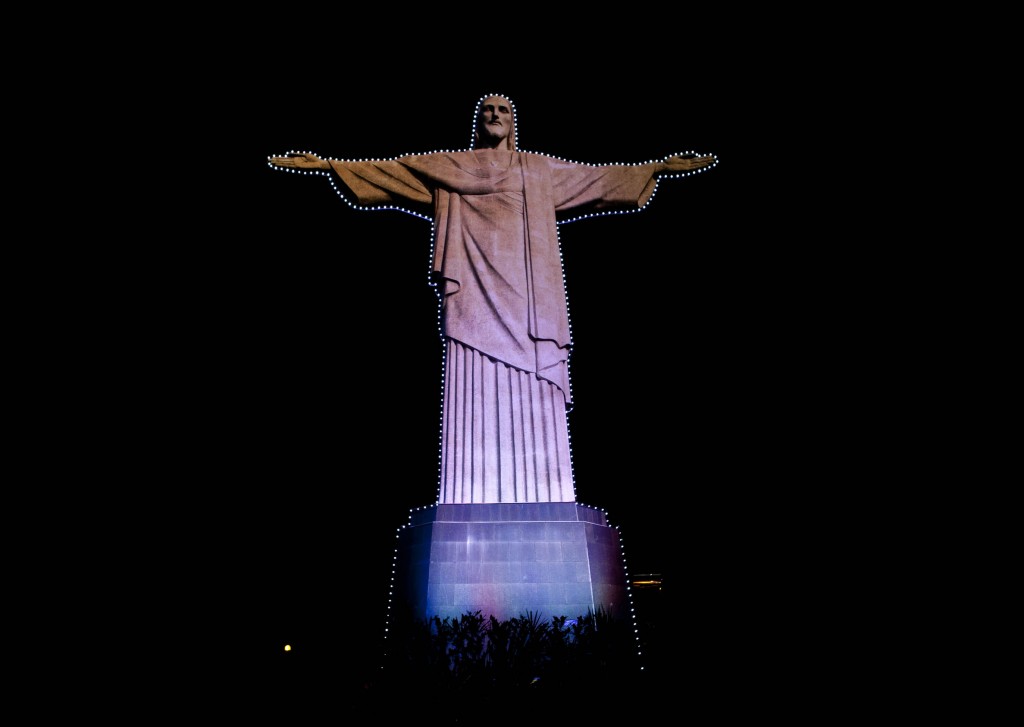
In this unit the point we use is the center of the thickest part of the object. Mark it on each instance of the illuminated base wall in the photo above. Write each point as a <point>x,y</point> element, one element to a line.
<point>507,559</point>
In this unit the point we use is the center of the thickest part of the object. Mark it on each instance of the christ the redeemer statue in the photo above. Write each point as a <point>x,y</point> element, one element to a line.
<point>498,271</point>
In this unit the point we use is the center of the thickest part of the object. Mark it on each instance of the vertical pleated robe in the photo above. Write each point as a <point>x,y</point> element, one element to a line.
<point>503,305</point>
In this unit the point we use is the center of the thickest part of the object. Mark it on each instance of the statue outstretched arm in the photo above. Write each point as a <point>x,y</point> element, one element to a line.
<point>688,163</point>
<point>300,161</point>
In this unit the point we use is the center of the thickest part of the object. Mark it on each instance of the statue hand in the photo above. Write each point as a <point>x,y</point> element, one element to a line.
<point>300,161</point>
<point>688,164</point>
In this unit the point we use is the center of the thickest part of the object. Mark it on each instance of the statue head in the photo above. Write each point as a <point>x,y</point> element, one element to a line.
<point>494,124</point>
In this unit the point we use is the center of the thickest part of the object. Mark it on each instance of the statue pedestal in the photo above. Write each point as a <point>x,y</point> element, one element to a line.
<point>507,559</point>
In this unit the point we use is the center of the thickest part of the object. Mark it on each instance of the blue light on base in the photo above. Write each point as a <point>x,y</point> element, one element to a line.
<point>509,559</point>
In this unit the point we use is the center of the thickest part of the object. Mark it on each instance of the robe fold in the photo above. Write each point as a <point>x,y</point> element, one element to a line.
<point>498,267</point>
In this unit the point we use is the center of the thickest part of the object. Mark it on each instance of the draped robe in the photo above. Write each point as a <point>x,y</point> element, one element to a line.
<point>498,267</point>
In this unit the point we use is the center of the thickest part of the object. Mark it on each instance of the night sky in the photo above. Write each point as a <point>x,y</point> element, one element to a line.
<point>312,371</point>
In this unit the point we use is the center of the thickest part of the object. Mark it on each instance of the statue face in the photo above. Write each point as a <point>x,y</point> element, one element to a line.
<point>494,122</point>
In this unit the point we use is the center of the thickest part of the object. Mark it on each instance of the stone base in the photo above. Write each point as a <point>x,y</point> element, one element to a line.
<point>507,560</point>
